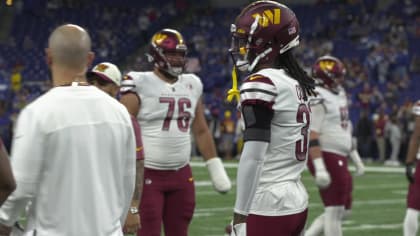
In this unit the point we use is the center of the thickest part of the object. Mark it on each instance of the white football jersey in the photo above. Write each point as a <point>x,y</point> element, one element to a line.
<point>416,108</point>
<point>330,118</point>
<point>416,112</point>
<point>280,191</point>
<point>73,156</point>
<point>165,116</point>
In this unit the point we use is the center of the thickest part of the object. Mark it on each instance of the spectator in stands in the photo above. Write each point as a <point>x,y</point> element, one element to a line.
<point>365,96</point>
<point>73,152</point>
<point>7,181</point>
<point>364,134</point>
<point>393,134</point>
<point>380,119</point>
<point>411,225</point>
<point>227,130</point>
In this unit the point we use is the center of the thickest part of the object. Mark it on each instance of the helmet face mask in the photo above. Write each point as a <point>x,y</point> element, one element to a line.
<point>168,52</point>
<point>329,71</point>
<point>239,50</point>
<point>262,31</point>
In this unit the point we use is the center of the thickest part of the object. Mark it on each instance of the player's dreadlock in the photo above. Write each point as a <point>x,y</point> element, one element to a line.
<point>287,61</point>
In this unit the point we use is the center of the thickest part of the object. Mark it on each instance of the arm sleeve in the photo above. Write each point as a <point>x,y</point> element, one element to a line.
<point>27,159</point>
<point>129,173</point>
<point>249,171</point>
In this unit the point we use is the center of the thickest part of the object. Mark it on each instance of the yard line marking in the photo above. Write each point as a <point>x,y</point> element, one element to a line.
<point>370,227</point>
<point>358,203</point>
<point>378,169</point>
<point>206,183</point>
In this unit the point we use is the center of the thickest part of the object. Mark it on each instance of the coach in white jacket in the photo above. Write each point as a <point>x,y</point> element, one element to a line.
<point>73,152</point>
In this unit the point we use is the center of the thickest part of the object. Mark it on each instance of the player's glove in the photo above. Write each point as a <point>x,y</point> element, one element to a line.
<point>409,173</point>
<point>360,167</point>
<point>322,177</point>
<point>238,229</point>
<point>218,175</point>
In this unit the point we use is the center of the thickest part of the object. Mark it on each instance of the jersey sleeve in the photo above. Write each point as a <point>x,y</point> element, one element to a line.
<point>258,90</point>
<point>127,84</point>
<point>198,85</point>
<point>318,113</point>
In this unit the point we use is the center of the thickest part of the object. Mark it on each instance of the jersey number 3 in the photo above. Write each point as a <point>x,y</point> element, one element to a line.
<point>302,116</point>
<point>183,118</point>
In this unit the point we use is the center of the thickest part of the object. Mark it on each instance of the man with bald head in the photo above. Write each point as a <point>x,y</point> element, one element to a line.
<point>73,153</point>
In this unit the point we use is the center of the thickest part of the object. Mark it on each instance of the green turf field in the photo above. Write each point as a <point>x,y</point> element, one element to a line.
<point>378,203</point>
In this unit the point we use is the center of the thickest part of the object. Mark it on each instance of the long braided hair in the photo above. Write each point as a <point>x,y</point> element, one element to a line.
<point>288,61</point>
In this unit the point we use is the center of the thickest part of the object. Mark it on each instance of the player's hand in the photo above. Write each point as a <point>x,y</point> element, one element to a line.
<point>409,172</point>
<point>360,169</point>
<point>238,225</point>
<point>132,223</point>
<point>218,175</point>
<point>5,230</point>
<point>357,160</point>
<point>322,177</point>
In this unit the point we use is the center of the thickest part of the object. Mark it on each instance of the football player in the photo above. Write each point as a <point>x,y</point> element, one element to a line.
<point>271,199</point>
<point>411,224</point>
<point>168,105</point>
<point>7,181</point>
<point>107,77</point>
<point>330,145</point>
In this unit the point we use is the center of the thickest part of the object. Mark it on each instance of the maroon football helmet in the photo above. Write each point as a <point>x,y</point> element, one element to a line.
<point>167,51</point>
<point>261,31</point>
<point>329,71</point>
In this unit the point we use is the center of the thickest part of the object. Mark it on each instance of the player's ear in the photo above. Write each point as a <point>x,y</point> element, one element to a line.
<point>48,57</point>
<point>91,57</point>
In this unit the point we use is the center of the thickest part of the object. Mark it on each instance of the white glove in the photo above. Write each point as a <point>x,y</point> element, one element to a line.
<point>322,177</point>
<point>238,229</point>
<point>360,167</point>
<point>218,175</point>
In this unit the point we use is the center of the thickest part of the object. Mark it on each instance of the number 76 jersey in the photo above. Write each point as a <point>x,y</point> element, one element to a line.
<point>165,116</point>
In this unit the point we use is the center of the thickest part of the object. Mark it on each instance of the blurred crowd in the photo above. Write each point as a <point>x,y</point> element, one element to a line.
<point>375,39</point>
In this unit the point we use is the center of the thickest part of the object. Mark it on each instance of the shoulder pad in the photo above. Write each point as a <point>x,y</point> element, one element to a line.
<point>316,101</point>
<point>127,84</point>
<point>258,78</point>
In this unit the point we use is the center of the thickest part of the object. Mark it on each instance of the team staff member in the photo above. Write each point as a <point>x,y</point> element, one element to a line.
<point>73,153</point>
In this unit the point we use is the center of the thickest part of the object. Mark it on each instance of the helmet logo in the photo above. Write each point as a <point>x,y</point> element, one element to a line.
<point>158,38</point>
<point>326,65</point>
<point>101,67</point>
<point>268,17</point>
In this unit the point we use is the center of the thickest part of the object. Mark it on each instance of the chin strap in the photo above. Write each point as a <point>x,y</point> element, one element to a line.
<point>234,92</point>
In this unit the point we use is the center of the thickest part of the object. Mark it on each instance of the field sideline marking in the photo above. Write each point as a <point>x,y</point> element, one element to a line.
<point>378,169</point>
<point>311,205</point>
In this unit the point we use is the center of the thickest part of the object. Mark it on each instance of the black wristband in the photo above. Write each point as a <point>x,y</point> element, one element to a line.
<point>314,142</point>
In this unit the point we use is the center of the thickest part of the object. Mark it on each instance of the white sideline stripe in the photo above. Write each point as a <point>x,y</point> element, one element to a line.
<point>380,169</point>
<point>370,227</point>
<point>358,203</point>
